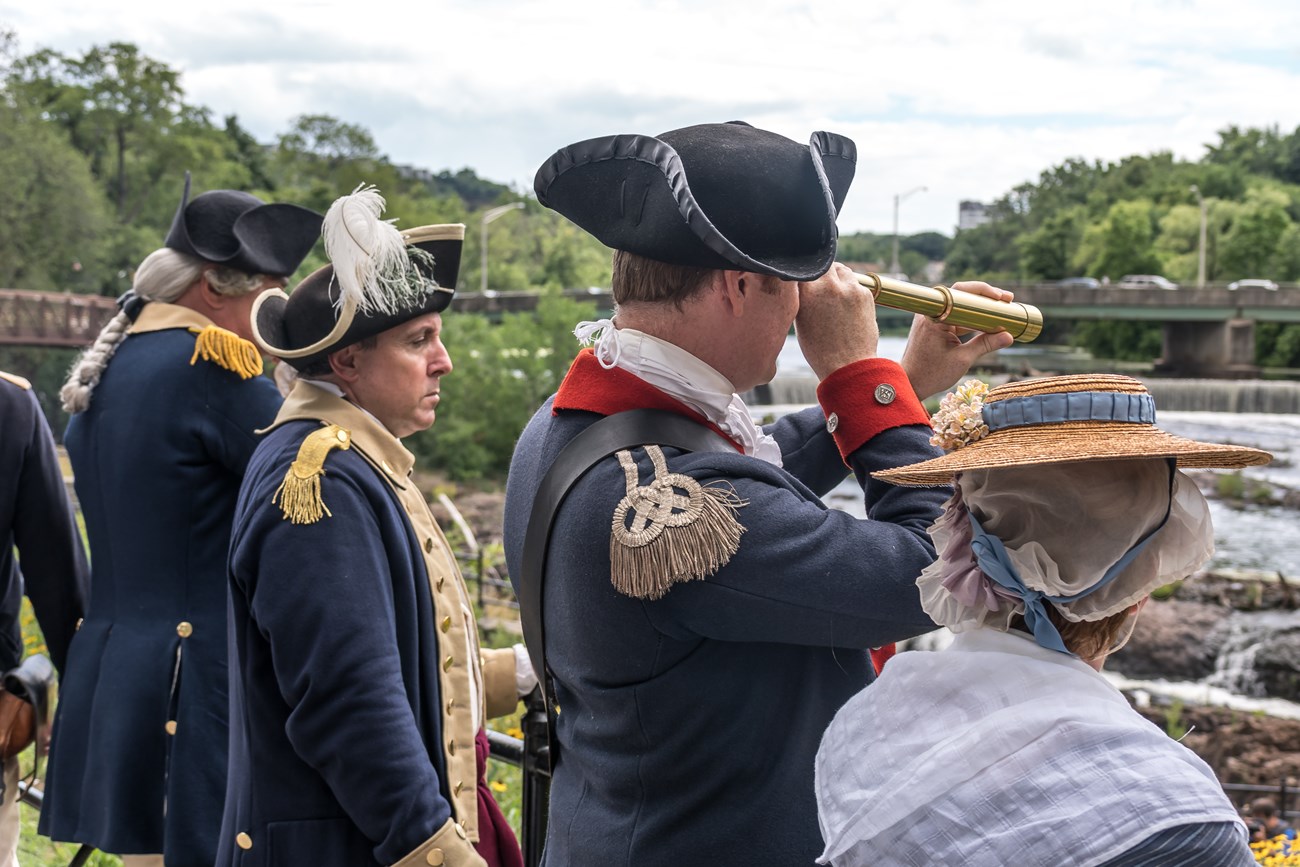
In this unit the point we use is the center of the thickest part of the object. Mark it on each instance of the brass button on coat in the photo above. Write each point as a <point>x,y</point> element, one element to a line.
<point>428,545</point>
<point>436,857</point>
<point>448,663</point>
<point>460,830</point>
<point>79,621</point>
<point>446,623</point>
<point>243,840</point>
<point>451,705</point>
<point>184,629</point>
<point>451,748</point>
<point>460,784</point>
<point>439,584</point>
<point>171,726</point>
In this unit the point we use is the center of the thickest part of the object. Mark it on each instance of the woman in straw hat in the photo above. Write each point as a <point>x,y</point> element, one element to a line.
<point>1009,747</point>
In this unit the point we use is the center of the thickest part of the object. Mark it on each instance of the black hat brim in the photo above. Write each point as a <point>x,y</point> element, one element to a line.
<point>726,196</point>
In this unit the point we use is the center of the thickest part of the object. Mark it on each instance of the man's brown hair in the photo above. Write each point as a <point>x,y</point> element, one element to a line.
<point>637,278</point>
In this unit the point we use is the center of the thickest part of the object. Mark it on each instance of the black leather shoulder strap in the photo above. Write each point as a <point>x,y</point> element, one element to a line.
<point>611,434</point>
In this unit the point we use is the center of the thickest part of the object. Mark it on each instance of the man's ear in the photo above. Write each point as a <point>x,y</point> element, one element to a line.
<point>735,288</point>
<point>213,299</point>
<point>345,363</point>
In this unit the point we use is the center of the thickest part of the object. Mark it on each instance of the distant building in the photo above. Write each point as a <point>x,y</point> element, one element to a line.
<point>972,214</point>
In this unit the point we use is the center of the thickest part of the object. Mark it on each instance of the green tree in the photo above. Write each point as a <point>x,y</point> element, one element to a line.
<point>1122,242</point>
<point>125,112</point>
<point>1179,240</point>
<point>1249,247</point>
<point>502,374</point>
<point>52,216</point>
<point>1120,340</point>
<point>1048,252</point>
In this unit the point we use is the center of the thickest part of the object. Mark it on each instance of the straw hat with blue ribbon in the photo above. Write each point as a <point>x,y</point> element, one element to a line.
<point>1067,496</point>
<point>1062,419</point>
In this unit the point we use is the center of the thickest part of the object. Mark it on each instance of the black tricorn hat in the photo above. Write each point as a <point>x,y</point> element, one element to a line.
<point>240,231</point>
<point>317,319</point>
<point>719,195</point>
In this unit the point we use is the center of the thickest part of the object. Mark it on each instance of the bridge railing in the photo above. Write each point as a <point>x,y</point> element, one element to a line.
<point>31,318</point>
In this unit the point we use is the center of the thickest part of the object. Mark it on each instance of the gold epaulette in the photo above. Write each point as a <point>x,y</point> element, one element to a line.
<point>299,494</point>
<point>16,380</point>
<point>226,349</point>
<point>671,530</point>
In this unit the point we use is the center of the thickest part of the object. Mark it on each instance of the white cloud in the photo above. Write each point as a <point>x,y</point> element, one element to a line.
<point>968,99</point>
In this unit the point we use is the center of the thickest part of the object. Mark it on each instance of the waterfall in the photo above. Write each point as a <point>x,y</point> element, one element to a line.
<point>1240,639</point>
<point>1225,395</point>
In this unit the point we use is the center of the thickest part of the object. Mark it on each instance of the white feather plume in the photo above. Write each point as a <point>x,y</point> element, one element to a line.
<point>369,254</point>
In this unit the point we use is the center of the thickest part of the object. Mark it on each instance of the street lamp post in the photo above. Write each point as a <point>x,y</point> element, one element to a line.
<point>488,216</point>
<point>898,197</point>
<point>1200,245</point>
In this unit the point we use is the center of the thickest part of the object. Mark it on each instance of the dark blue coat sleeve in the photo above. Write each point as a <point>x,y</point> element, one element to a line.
<point>52,558</point>
<point>808,451</point>
<point>806,574</point>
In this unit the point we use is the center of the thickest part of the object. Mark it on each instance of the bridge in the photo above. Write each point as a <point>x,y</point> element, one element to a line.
<point>1207,332</point>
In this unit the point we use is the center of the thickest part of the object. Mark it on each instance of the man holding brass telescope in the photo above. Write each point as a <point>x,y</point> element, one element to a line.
<point>698,611</point>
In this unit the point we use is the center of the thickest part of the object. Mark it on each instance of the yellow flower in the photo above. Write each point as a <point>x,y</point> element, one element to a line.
<point>498,786</point>
<point>515,732</point>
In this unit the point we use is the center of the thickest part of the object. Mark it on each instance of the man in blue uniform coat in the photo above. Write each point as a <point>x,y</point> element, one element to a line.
<point>705,613</point>
<point>358,688</point>
<point>36,518</point>
<point>159,440</point>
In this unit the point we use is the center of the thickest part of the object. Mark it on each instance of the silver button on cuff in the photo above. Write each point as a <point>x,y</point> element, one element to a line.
<point>832,422</point>
<point>885,393</point>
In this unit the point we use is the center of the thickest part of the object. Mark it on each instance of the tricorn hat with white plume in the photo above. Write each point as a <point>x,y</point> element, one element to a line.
<point>379,277</point>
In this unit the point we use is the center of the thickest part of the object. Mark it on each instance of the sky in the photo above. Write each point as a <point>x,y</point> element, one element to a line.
<point>947,100</point>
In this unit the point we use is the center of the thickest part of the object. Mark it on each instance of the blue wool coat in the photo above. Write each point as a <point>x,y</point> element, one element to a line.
<point>689,724</point>
<point>158,458</point>
<point>351,728</point>
<point>35,517</point>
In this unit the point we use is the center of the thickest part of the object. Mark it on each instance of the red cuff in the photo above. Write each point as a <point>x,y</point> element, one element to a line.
<point>866,397</point>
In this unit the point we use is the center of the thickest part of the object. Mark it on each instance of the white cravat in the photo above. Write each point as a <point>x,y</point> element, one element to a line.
<point>678,373</point>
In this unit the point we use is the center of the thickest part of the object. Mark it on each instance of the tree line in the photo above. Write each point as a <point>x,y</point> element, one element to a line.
<point>94,146</point>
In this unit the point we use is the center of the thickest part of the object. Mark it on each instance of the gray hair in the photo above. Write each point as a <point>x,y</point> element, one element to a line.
<point>163,276</point>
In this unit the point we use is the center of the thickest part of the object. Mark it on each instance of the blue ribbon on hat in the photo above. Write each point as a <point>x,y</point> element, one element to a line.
<point>1070,406</point>
<point>993,560</point>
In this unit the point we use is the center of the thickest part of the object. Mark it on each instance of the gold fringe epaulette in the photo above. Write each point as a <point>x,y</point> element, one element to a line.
<point>16,380</point>
<point>299,494</point>
<point>669,531</point>
<point>226,349</point>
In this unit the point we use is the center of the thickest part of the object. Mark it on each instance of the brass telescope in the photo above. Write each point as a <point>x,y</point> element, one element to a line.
<point>1024,322</point>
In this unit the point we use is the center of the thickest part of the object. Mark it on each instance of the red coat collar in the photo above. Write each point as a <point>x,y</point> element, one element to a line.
<point>591,388</point>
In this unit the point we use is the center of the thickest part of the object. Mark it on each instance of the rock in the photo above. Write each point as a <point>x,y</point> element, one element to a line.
<point>1277,664</point>
<point>1170,641</point>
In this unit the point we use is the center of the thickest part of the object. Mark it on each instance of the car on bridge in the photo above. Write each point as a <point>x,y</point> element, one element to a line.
<point>1079,283</point>
<point>1145,281</point>
<point>1251,284</point>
